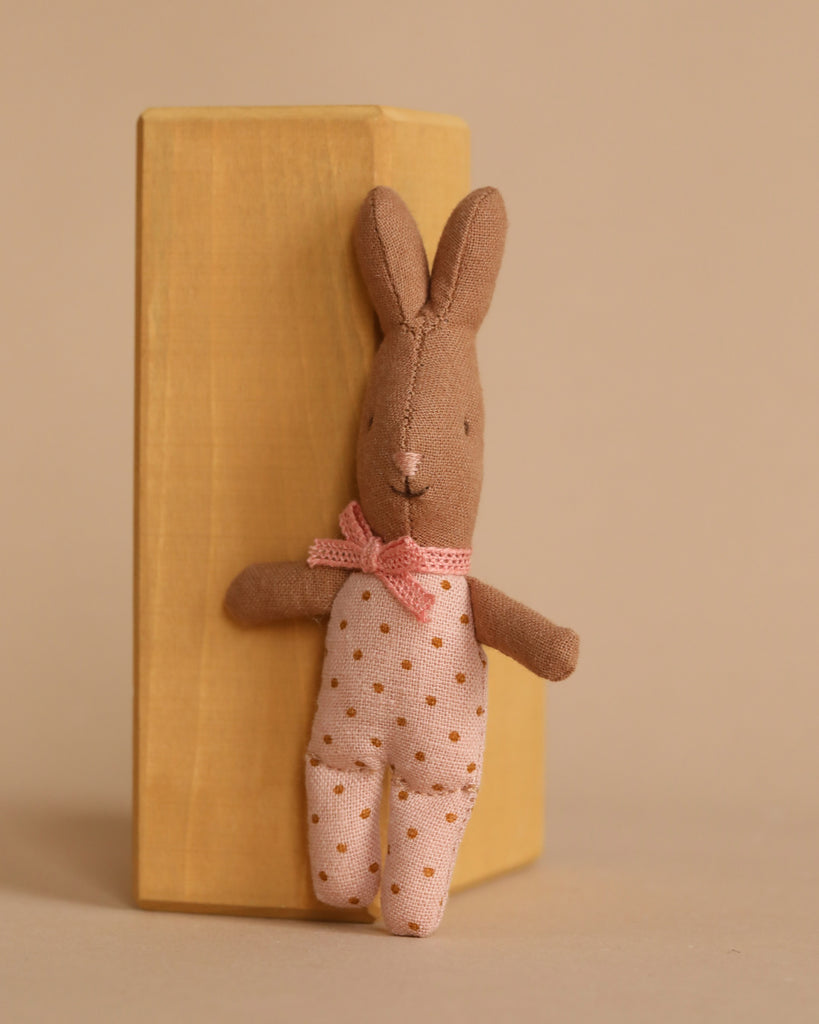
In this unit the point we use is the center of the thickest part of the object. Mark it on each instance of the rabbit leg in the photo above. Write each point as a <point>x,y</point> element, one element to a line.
<point>342,819</point>
<point>425,832</point>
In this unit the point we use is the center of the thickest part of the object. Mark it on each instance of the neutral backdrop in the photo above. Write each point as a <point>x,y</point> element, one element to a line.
<point>651,376</point>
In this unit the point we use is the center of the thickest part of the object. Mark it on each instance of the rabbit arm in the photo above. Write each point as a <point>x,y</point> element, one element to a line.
<point>267,591</point>
<point>510,627</point>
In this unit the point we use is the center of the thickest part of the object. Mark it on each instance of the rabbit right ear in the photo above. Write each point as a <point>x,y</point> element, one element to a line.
<point>392,257</point>
<point>468,259</point>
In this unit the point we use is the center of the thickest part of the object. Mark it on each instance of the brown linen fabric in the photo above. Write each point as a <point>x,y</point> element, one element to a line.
<point>424,394</point>
<point>468,259</point>
<point>267,591</point>
<point>510,627</point>
<point>392,258</point>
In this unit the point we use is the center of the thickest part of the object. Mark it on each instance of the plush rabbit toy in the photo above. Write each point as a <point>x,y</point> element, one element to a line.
<point>404,678</point>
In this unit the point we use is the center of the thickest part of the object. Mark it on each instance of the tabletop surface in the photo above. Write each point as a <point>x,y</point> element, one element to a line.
<point>638,913</point>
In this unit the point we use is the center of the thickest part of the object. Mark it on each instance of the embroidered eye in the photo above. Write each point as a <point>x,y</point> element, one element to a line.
<point>466,426</point>
<point>369,422</point>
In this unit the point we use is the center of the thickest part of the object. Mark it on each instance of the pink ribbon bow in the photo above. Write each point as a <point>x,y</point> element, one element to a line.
<point>392,563</point>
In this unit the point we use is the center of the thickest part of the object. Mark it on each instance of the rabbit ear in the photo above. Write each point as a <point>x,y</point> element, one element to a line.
<point>392,257</point>
<point>469,258</point>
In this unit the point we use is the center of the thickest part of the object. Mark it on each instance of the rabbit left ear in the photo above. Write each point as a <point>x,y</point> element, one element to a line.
<point>468,258</point>
<point>392,257</point>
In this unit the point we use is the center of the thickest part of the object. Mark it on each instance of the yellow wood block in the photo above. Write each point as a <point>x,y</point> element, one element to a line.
<point>254,339</point>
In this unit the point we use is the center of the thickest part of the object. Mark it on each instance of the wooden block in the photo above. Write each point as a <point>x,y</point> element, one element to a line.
<point>254,339</point>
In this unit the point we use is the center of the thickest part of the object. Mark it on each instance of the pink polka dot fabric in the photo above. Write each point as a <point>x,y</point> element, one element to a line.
<point>412,696</point>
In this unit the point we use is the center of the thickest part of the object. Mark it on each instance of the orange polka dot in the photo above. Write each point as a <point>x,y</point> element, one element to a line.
<point>351,712</point>
<point>454,736</point>
<point>338,790</point>
<point>403,795</point>
<point>400,721</point>
<point>471,767</point>
<point>328,738</point>
<point>323,876</point>
<point>445,584</point>
<point>342,847</point>
<point>464,618</point>
<point>451,817</point>
<point>373,867</point>
<point>365,813</point>
<point>429,872</point>
<point>360,764</point>
<point>357,655</point>
<point>395,888</point>
<point>314,819</point>
<point>366,595</point>
<point>436,641</point>
<point>354,900</point>
<point>384,627</point>
<point>334,683</point>
<point>420,756</point>
<point>412,832</point>
<point>342,624</point>
<point>460,678</point>
<point>432,701</point>
<point>378,687</point>
<point>376,742</point>
<point>438,787</point>
<point>406,664</point>
<point>413,926</point>
<point>314,761</point>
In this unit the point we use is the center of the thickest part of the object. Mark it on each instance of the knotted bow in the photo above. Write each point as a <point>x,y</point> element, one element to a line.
<point>392,563</point>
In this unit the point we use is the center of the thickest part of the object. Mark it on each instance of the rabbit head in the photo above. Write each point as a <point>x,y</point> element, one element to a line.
<point>420,440</point>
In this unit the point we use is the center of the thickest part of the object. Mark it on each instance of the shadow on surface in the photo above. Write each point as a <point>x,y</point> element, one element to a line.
<point>78,856</point>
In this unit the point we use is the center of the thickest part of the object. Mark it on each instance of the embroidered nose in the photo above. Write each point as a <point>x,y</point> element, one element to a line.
<point>407,462</point>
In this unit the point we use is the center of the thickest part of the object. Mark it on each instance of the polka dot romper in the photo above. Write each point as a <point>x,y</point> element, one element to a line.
<point>412,696</point>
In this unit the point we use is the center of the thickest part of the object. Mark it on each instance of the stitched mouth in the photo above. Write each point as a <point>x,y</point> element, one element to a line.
<point>407,491</point>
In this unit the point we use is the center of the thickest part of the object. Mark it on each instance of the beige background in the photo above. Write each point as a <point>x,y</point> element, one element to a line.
<point>651,369</point>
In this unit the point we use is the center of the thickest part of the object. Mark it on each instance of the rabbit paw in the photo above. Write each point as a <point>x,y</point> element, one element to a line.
<point>564,650</point>
<point>242,596</point>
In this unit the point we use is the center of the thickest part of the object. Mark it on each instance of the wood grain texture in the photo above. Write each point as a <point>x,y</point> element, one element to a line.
<point>254,338</point>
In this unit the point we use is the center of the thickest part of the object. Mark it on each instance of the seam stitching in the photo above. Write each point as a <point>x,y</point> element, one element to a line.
<point>459,266</point>
<point>390,278</point>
